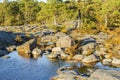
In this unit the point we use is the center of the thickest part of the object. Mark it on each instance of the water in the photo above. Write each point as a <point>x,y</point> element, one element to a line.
<point>19,68</point>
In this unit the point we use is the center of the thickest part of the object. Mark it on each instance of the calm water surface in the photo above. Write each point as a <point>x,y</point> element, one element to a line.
<point>19,68</point>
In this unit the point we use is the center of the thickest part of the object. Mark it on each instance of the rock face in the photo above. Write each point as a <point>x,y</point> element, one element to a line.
<point>105,75</point>
<point>90,59</point>
<point>3,52</point>
<point>27,47</point>
<point>6,38</point>
<point>64,42</point>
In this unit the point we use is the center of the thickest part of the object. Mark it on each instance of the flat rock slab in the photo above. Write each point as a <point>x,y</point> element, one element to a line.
<point>105,75</point>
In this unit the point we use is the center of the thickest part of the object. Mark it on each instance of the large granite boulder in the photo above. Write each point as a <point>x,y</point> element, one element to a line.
<point>27,47</point>
<point>65,42</point>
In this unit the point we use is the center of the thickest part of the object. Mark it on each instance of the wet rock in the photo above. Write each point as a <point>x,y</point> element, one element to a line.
<point>90,59</point>
<point>105,75</point>
<point>11,48</point>
<point>78,57</point>
<point>36,51</point>
<point>52,56</point>
<point>116,62</point>
<point>68,76</point>
<point>107,62</point>
<point>3,52</point>
<point>88,49</point>
<point>65,42</point>
<point>5,57</point>
<point>67,69</point>
<point>27,47</point>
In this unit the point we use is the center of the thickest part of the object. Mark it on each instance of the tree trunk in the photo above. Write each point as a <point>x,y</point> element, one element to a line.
<point>55,21</point>
<point>106,20</point>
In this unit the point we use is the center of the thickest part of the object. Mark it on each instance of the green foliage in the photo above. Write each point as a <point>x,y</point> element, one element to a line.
<point>90,13</point>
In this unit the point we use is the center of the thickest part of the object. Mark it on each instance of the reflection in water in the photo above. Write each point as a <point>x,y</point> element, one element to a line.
<point>19,68</point>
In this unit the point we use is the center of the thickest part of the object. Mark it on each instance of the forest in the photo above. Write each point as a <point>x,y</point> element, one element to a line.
<point>86,14</point>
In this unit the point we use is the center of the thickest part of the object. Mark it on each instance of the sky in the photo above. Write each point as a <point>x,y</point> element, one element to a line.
<point>14,0</point>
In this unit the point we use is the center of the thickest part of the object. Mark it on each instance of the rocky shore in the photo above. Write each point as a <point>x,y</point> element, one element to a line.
<point>74,46</point>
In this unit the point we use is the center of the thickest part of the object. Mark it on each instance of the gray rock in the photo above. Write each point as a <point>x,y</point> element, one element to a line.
<point>88,49</point>
<point>116,62</point>
<point>105,75</point>
<point>60,35</point>
<point>56,50</point>
<point>78,57</point>
<point>107,61</point>
<point>65,42</point>
<point>90,59</point>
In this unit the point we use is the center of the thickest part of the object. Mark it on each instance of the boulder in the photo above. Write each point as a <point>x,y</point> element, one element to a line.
<point>56,50</point>
<point>65,42</point>
<point>116,62</point>
<point>90,59</point>
<point>88,49</point>
<point>36,51</point>
<point>60,35</point>
<point>78,57</point>
<point>27,47</point>
<point>105,75</point>
<point>107,62</point>
<point>11,48</point>
<point>3,52</point>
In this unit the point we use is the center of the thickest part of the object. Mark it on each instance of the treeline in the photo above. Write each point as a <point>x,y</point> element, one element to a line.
<point>87,14</point>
